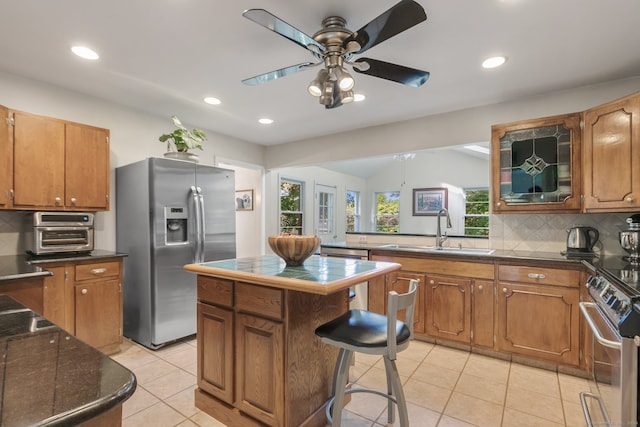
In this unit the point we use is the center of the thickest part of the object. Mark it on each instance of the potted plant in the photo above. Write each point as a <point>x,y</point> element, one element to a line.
<point>181,140</point>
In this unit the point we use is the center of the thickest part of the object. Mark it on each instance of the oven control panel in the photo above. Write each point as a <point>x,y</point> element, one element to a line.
<point>612,300</point>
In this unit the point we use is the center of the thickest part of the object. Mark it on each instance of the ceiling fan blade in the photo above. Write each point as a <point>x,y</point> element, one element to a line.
<point>275,24</point>
<point>399,18</point>
<point>276,74</point>
<point>395,73</point>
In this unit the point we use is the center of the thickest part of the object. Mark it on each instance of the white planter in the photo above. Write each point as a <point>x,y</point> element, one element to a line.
<point>181,155</point>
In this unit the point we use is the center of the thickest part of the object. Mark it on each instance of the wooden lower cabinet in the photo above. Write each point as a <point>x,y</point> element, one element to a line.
<point>482,313</point>
<point>259,361</point>
<point>85,299</point>
<point>529,309</point>
<point>448,308</point>
<point>538,314</point>
<point>215,364</point>
<point>260,368</point>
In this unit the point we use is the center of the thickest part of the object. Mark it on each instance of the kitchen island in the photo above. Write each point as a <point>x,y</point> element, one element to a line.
<point>259,360</point>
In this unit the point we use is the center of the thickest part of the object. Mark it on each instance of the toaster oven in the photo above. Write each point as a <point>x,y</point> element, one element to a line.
<point>60,232</point>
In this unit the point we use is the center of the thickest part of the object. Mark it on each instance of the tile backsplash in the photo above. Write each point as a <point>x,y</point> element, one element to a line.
<point>548,232</point>
<point>12,225</point>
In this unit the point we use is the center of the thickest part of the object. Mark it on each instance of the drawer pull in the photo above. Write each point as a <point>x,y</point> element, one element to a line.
<point>536,276</point>
<point>84,292</point>
<point>98,271</point>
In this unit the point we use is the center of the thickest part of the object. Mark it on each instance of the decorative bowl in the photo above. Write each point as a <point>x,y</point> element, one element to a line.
<point>293,249</point>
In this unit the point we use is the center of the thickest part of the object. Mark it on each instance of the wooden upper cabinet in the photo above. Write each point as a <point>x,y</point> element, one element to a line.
<point>611,155</point>
<point>87,167</point>
<point>535,165</point>
<point>38,159</point>
<point>57,165</point>
<point>6,154</point>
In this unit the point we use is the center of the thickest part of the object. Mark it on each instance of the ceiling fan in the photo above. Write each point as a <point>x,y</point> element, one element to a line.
<point>335,46</point>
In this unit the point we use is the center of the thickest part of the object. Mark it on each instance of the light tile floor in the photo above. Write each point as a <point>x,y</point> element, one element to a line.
<point>444,387</point>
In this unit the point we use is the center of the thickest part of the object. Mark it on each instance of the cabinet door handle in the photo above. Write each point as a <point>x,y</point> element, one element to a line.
<point>629,200</point>
<point>84,291</point>
<point>73,200</point>
<point>432,282</point>
<point>98,271</point>
<point>58,200</point>
<point>504,290</point>
<point>536,276</point>
<point>480,287</point>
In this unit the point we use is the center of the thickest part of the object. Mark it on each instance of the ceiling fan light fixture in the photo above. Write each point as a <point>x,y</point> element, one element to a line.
<point>327,93</point>
<point>345,80</point>
<point>346,96</point>
<point>316,85</point>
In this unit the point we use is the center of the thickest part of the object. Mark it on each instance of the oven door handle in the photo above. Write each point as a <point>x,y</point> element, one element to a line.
<point>585,407</point>
<point>594,328</point>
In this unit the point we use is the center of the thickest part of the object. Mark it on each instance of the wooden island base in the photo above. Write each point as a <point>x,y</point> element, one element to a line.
<point>276,372</point>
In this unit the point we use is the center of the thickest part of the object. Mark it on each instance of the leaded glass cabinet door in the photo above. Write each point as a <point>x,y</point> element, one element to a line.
<point>536,165</point>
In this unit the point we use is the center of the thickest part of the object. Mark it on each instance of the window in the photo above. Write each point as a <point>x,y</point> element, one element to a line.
<point>387,215</point>
<point>353,210</point>
<point>291,214</point>
<point>476,216</point>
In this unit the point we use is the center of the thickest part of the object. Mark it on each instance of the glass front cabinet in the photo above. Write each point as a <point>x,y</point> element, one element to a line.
<point>535,165</point>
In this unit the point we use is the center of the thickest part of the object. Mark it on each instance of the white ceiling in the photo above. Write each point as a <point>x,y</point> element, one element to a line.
<point>164,56</point>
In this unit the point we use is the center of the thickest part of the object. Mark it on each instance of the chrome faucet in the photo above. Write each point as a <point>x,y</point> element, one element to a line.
<point>440,239</point>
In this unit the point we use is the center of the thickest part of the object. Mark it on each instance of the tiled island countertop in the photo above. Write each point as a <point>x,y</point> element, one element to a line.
<point>50,378</point>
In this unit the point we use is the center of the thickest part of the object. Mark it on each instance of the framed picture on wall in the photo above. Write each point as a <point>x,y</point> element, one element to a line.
<point>244,200</point>
<point>428,201</point>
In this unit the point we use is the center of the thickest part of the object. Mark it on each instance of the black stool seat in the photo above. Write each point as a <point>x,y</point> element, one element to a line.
<point>362,328</point>
<point>371,333</point>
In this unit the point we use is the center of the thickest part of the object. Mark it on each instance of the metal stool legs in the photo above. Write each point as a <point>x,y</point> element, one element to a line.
<point>395,394</point>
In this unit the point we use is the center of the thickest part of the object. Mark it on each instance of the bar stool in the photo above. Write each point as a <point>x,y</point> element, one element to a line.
<point>371,333</point>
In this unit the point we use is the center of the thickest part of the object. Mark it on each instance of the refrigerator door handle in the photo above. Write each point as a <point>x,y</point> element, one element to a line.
<point>202,225</point>
<point>196,203</point>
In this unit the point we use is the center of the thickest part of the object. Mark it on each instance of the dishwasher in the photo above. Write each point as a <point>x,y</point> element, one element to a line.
<point>358,292</point>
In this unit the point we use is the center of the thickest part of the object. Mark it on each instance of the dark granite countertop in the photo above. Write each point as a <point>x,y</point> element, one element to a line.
<point>496,254</point>
<point>24,266</point>
<point>50,378</point>
<point>15,267</point>
<point>93,255</point>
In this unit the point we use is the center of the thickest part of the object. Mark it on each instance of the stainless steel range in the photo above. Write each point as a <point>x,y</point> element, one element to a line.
<point>613,316</point>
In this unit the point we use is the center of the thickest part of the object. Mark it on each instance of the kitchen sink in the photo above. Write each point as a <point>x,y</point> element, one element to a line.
<point>464,251</point>
<point>446,250</point>
<point>415,247</point>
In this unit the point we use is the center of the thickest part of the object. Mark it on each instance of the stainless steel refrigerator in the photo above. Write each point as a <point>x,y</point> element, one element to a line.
<point>169,213</point>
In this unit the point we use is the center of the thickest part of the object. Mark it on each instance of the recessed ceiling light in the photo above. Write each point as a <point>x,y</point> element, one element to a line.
<point>85,52</point>
<point>213,101</point>
<point>265,121</point>
<point>494,61</point>
<point>358,97</point>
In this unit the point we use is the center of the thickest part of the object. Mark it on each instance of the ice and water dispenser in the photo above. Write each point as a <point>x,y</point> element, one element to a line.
<point>176,225</point>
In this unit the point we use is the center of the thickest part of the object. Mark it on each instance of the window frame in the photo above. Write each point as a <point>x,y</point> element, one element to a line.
<point>376,215</point>
<point>472,215</point>
<point>282,213</point>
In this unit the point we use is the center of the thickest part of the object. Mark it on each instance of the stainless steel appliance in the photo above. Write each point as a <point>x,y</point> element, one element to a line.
<point>60,232</point>
<point>581,239</point>
<point>169,213</point>
<point>358,293</point>
<point>613,317</point>
<point>630,239</point>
